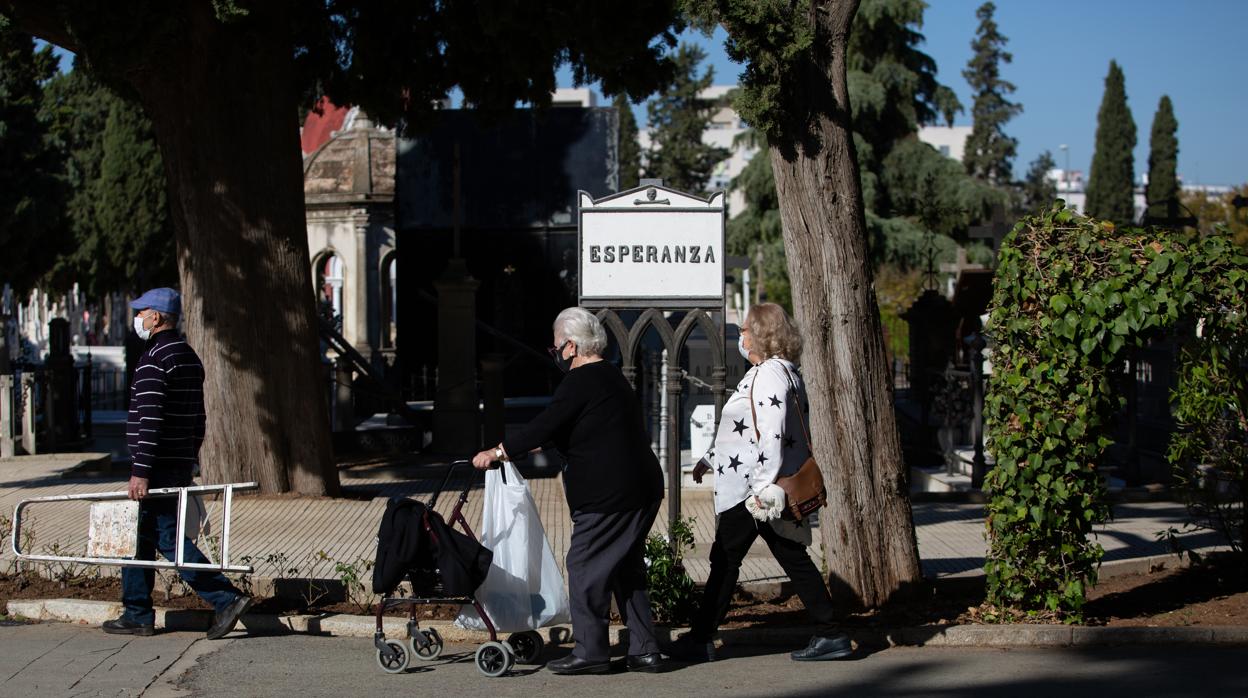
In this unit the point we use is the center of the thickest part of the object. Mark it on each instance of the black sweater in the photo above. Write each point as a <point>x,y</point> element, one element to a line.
<point>165,426</point>
<point>595,421</point>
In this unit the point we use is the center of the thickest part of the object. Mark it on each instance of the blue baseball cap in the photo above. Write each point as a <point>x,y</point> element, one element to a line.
<point>162,300</point>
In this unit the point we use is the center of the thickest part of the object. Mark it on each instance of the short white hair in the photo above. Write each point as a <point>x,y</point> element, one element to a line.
<point>584,328</point>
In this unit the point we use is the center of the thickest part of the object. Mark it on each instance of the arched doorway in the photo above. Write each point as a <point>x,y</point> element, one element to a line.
<point>389,300</point>
<point>330,275</point>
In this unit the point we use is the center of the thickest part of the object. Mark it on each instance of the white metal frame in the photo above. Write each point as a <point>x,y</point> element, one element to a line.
<point>223,565</point>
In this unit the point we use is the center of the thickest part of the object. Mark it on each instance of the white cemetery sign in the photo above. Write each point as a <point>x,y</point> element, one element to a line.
<point>651,247</point>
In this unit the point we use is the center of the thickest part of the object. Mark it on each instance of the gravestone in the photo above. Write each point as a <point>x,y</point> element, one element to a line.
<point>933,326</point>
<point>63,381</point>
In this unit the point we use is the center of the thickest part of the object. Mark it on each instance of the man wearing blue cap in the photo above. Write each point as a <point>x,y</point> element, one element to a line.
<point>164,431</point>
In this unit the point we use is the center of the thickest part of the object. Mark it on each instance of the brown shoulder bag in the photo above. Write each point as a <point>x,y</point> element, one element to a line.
<point>804,491</point>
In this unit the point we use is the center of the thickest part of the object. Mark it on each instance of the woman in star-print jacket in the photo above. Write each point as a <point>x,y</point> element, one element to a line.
<point>753,446</point>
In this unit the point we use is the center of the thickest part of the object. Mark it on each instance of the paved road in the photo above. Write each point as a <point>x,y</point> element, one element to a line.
<point>56,659</point>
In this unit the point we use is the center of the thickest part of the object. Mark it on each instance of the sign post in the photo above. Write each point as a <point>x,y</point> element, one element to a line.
<point>659,252</point>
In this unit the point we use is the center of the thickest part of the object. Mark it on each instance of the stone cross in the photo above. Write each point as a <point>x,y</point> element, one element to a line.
<point>995,228</point>
<point>962,264</point>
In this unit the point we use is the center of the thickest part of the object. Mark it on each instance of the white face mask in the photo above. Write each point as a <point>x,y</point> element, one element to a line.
<point>745,353</point>
<point>144,334</point>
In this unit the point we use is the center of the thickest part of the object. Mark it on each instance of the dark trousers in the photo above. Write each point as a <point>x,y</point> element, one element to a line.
<point>733,537</point>
<point>606,557</point>
<point>158,529</point>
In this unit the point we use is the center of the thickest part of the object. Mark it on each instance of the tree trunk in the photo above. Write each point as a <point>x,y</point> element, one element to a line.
<point>220,96</point>
<point>867,529</point>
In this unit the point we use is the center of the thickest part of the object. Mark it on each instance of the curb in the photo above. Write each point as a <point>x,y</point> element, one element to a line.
<point>780,586</point>
<point>96,612</point>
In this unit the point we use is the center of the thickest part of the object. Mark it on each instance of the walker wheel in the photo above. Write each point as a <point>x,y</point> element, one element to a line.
<point>494,659</point>
<point>431,651</point>
<point>527,646</point>
<point>396,664</point>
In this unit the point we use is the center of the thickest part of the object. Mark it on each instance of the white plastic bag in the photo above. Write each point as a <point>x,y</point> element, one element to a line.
<point>524,589</point>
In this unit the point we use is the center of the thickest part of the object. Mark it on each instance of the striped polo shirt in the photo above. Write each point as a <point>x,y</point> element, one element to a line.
<point>166,423</point>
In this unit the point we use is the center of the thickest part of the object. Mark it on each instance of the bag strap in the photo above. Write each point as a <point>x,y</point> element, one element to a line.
<point>754,413</point>
<point>801,417</point>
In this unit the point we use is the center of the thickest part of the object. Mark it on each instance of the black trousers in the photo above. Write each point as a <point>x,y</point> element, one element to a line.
<point>733,537</point>
<point>606,557</point>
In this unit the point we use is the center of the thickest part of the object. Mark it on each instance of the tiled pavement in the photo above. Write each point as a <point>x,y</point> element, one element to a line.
<point>264,529</point>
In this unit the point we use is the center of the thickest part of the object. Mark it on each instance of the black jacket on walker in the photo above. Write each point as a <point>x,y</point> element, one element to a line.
<point>403,546</point>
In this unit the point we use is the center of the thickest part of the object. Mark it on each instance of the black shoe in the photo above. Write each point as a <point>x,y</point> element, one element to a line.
<point>224,621</point>
<point>822,649</point>
<point>573,664</point>
<point>650,663</point>
<point>688,648</point>
<point>121,626</point>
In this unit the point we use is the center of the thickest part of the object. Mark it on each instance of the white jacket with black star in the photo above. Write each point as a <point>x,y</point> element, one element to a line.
<point>744,463</point>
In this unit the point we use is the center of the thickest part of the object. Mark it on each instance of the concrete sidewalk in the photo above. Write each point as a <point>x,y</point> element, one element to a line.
<point>284,536</point>
<point>62,659</point>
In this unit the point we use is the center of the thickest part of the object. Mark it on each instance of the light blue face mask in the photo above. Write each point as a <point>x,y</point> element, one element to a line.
<point>745,353</point>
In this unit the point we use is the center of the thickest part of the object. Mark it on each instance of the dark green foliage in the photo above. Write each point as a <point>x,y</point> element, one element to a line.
<point>892,84</point>
<point>935,188</point>
<point>1111,188</point>
<point>1163,161</point>
<point>672,594</point>
<point>116,209</point>
<point>629,152</point>
<point>893,90</point>
<point>1038,190</point>
<point>131,204</point>
<point>396,59</point>
<point>678,115</point>
<point>757,230</point>
<point>989,152</point>
<point>30,185</point>
<point>1072,295</point>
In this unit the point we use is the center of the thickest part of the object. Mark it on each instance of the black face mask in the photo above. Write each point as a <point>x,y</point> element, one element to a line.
<point>556,353</point>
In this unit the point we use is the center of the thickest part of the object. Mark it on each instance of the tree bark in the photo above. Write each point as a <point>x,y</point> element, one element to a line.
<point>220,96</point>
<point>867,529</point>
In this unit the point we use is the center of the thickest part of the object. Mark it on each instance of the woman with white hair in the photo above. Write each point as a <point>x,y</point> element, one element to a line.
<point>614,486</point>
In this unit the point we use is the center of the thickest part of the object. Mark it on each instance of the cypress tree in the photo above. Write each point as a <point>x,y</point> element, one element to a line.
<point>116,211</point>
<point>131,203</point>
<point>1163,161</point>
<point>678,116</point>
<point>989,151</point>
<point>629,153</point>
<point>1111,188</point>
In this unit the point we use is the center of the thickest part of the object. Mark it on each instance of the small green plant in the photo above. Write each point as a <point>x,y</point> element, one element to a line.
<point>66,572</point>
<point>243,580</point>
<point>1209,452</point>
<point>353,576</point>
<point>314,590</point>
<point>672,596</point>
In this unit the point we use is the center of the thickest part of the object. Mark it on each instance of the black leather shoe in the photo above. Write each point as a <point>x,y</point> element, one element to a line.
<point>687,648</point>
<point>573,664</point>
<point>649,663</point>
<point>121,626</point>
<point>822,649</point>
<point>224,622</point>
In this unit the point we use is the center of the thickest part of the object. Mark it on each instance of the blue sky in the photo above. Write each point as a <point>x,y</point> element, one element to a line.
<point>1192,50</point>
